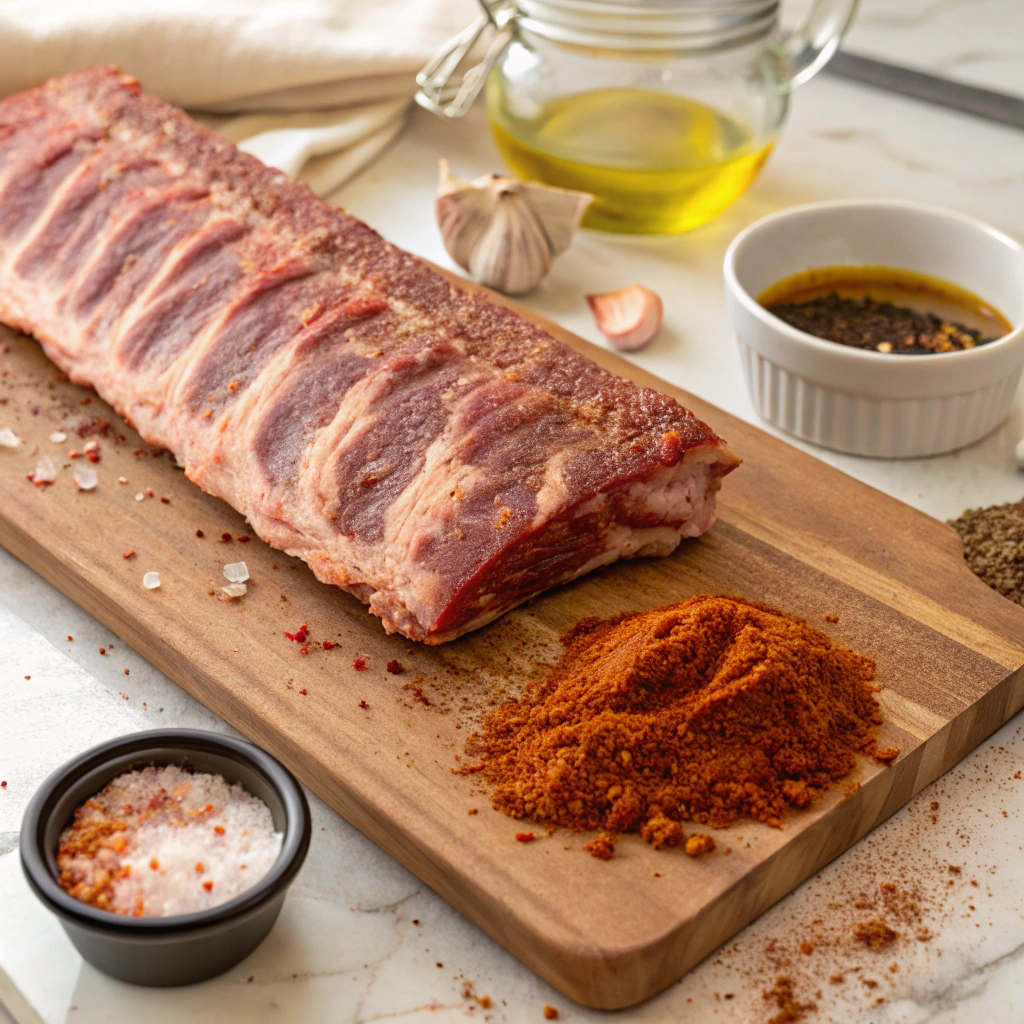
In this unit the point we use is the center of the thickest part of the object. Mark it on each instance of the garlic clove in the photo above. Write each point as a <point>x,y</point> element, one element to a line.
<point>629,318</point>
<point>505,232</point>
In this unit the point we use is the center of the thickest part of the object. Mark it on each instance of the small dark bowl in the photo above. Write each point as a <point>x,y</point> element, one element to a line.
<point>185,948</point>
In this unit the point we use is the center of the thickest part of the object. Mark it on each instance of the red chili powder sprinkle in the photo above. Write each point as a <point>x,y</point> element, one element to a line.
<point>70,638</point>
<point>166,501</point>
<point>199,868</point>
<point>226,537</point>
<point>219,829</point>
<point>363,704</point>
<point>207,886</point>
<point>359,664</point>
<point>103,650</point>
<point>94,456</point>
<point>149,492</point>
<point>128,553</point>
<point>525,837</point>
<point>3,784</point>
<point>550,1013</point>
<point>199,533</point>
<point>328,645</point>
<point>299,636</point>
<point>127,673</point>
<point>394,667</point>
<point>244,539</point>
<point>303,692</point>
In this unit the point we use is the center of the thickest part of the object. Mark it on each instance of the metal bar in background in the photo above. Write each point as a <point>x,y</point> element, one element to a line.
<point>971,99</point>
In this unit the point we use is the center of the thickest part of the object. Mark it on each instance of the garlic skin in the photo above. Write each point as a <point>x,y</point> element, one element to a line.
<point>506,232</point>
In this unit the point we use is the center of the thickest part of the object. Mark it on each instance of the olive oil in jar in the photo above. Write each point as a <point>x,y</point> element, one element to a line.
<point>657,163</point>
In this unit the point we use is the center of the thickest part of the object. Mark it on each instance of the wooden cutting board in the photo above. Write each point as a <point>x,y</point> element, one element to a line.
<point>791,532</point>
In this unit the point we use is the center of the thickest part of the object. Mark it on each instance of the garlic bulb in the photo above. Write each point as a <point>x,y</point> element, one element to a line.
<point>506,232</point>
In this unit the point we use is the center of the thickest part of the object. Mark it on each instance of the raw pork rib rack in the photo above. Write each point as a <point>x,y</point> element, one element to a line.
<point>427,450</point>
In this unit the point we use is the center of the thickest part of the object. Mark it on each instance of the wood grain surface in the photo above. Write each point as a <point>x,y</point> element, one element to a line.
<point>792,532</point>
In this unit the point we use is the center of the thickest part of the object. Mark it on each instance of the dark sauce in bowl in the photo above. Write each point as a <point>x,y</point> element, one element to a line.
<point>884,309</point>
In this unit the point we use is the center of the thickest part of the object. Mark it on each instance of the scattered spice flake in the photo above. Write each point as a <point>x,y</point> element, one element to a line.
<point>394,667</point>
<point>103,650</point>
<point>418,694</point>
<point>127,673</point>
<point>165,501</point>
<point>790,1009</point>
<point>199,533</point>
<point>244,539</point>
<point>363,704</point>
<point>94,456</point>
<point>150,493</point>
<point>225,537</point>
<point>303,692</point>
<point>698,844</point>
<point>3,783</point>
<point>207,886</point>
<point>472,810</point>
<point>601,847</point>
<point>875,934</point>
<point>525,837</point>
<point>484,1001</point>
<point>219,829</point>
<point>832,618</point>
<point>359,664</point>
<point>550,1013</point>
<point>70,638</point>
<point>128,553</point>
<point>299,636</point>
<point>327,645</point>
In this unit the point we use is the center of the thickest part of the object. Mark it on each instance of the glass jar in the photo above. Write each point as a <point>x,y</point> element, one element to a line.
<point>665,110</point>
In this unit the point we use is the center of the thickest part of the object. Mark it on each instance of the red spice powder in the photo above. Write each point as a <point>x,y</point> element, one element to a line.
<point>359,664</point>
<point>394,667</point>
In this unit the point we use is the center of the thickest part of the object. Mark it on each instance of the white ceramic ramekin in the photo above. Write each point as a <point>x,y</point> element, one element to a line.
<point>865,402</point>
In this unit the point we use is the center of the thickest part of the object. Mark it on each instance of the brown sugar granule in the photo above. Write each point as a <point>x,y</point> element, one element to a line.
<point>875,934</point>
<point>601,847</point>
<point>708,710</point>
<point>993,540</point>
<point>661,831</point>
<point>699,844</point>
<point>790,1008</point>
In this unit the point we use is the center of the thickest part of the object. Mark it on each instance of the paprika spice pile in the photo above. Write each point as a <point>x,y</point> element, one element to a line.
<point>709,710</point>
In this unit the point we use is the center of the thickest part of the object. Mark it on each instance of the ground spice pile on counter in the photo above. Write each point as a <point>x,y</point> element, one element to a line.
<point>709,710</point>
<point>162,841</point>
<point>994,546</point>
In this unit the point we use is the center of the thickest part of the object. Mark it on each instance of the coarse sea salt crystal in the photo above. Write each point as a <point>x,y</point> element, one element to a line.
<point>58,437</point>
<point>191,841</point>
<point>45,471</point>
<point>236,572</point>
<point>85,478</point>
<point>8,438</point>
<point>234,589</point>
<point>140,496</point>
<point>151,580</point>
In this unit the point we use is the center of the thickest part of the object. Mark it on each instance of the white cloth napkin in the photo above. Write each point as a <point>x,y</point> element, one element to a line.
<point>315,87</point>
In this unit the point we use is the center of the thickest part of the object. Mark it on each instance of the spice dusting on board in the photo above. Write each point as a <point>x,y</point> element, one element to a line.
<point>709,710</point>
<point>993,541</point>
<point>139,846</point>
<point>884,309</point>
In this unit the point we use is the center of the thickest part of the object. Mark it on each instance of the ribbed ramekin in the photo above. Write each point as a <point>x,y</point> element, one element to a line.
<point>863,402</point>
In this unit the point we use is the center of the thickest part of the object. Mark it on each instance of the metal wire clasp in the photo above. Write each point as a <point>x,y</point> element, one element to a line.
<point>450,94</point>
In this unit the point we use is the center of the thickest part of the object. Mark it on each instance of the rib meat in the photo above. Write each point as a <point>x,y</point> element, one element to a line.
<point>420,446</point>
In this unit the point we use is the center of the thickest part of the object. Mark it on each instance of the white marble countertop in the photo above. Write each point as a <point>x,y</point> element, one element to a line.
<point>346,947</point>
